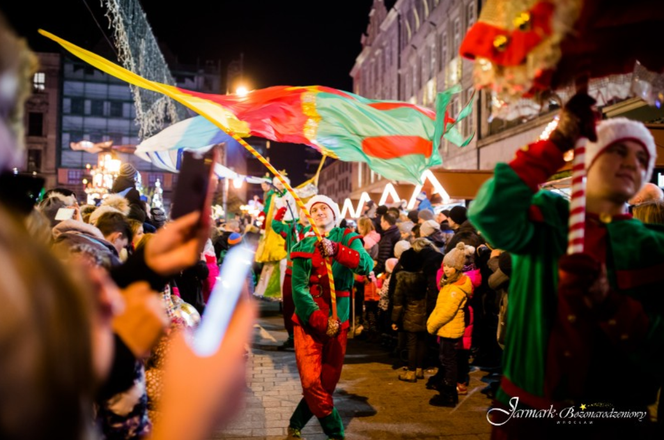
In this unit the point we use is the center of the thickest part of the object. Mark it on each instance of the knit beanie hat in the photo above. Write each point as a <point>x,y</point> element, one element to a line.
<point>400,247</point>
<point>458,214</point>
<point>328,201</point>
<point>615,130</point>
<point>425,215</point>
<point>456,258</point>
<point>405,227</point>
<point>429,227</point>
<point>390,263</point>
<point>158,217</point>
<point>413,215</point>
<point>234,239</point>
<point>128,171</point>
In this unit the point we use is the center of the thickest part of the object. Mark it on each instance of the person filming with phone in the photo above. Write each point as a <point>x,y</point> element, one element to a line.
<point>56,332</point>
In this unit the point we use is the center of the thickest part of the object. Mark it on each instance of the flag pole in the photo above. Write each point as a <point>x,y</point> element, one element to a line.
<point>136,80</point>
<point>298,201</point>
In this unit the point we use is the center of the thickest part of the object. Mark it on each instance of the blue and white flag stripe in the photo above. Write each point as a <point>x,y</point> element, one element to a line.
<point>165,148</point>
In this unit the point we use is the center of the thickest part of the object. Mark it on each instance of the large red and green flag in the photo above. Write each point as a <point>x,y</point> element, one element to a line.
<point>397,140</point>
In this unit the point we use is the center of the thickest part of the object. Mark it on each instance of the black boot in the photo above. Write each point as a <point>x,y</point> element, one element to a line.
<point>435,382</point>
<point>448,397</point>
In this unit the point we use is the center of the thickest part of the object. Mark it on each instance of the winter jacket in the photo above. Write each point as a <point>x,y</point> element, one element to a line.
<point>386,247</point>
<point>126,188</point>
<point>75,233</point>
<point>467,234</point>
<point>431,261</point>
<point>190,284</point>
<point>448,318</point>
<point>409,312</point>
<point>409,308</point>
<point>372,244</point>
<point>438,240</point>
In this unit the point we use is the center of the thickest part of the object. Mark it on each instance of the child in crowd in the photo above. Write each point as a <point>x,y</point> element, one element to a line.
<point>448,322</point>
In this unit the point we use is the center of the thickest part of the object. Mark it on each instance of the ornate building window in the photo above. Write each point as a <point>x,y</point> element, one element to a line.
<point>39,81</point>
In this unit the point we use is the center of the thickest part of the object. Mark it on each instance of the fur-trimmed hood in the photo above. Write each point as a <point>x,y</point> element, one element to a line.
<point>76,226</point>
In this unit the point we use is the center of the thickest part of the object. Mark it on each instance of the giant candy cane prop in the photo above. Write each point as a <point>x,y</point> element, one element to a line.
<point>577,213</point>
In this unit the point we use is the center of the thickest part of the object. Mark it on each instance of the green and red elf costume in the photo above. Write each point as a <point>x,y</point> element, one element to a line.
<point>559,352</point>
<point>292,232</point>
<point>320,356</point>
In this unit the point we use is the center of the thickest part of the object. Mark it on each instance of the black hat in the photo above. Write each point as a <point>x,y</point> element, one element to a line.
<point>458,214</point>
<point>382,209</point>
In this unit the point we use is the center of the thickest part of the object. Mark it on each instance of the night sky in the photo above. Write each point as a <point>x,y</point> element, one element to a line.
<point>287,42</point>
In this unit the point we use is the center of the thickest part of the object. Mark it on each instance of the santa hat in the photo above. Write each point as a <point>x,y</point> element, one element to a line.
<point>456,258</point>
<point>328,201</point>
<point>615,130</point>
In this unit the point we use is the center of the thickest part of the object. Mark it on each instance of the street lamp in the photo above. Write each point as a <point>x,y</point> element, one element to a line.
<point>241,91</point>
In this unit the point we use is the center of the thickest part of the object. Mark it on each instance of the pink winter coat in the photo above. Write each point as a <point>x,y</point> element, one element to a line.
<point>371,239</point>
<point>213,273</point>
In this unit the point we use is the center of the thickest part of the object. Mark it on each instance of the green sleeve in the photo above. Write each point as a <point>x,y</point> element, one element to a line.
<point>279,226</point>
<point>366,263</point>
<point>502,211</point>
<point>304,303</point>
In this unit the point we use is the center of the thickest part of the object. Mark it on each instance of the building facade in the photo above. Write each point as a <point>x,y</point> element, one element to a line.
<point>410,52</point>
<point>42,111</point>
<point>74,102</point>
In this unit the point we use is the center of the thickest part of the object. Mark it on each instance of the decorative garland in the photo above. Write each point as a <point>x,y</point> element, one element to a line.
<point>139,52</point>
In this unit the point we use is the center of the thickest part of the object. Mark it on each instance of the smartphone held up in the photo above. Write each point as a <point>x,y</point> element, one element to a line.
<point>196,184</point>
<point>224,298</point>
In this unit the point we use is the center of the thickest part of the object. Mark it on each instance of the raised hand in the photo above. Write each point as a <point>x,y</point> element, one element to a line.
<point>577,119</point>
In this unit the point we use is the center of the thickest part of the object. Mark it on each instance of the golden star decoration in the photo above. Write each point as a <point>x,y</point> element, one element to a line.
<point>583,406</point>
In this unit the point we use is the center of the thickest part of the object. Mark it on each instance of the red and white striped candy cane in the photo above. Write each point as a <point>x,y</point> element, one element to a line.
<point>577,214</point>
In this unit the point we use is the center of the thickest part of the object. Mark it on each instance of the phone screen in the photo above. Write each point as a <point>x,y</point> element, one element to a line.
<point>194,191</point>
<point>65,214</point>
<point>223,300</point>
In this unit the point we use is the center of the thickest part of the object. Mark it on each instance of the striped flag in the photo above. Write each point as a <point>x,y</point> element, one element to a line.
<point>397,140</point>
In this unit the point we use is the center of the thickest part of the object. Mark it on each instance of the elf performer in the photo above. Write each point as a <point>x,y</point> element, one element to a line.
<point>293,232</point>
<point>271,251</point>
<point>585,332</point>
<point>320,339</point>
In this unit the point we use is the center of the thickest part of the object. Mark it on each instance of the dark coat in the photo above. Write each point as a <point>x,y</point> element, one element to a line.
<point>431,262</point>
<point>386,247</point>
<point>190,284</point>
<point>127,188</point>
<point>438,240</point>
<point>409,310</point>
<point>466,234</point>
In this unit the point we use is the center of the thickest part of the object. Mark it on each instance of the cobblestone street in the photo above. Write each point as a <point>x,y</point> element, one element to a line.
<point>373,403</point>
